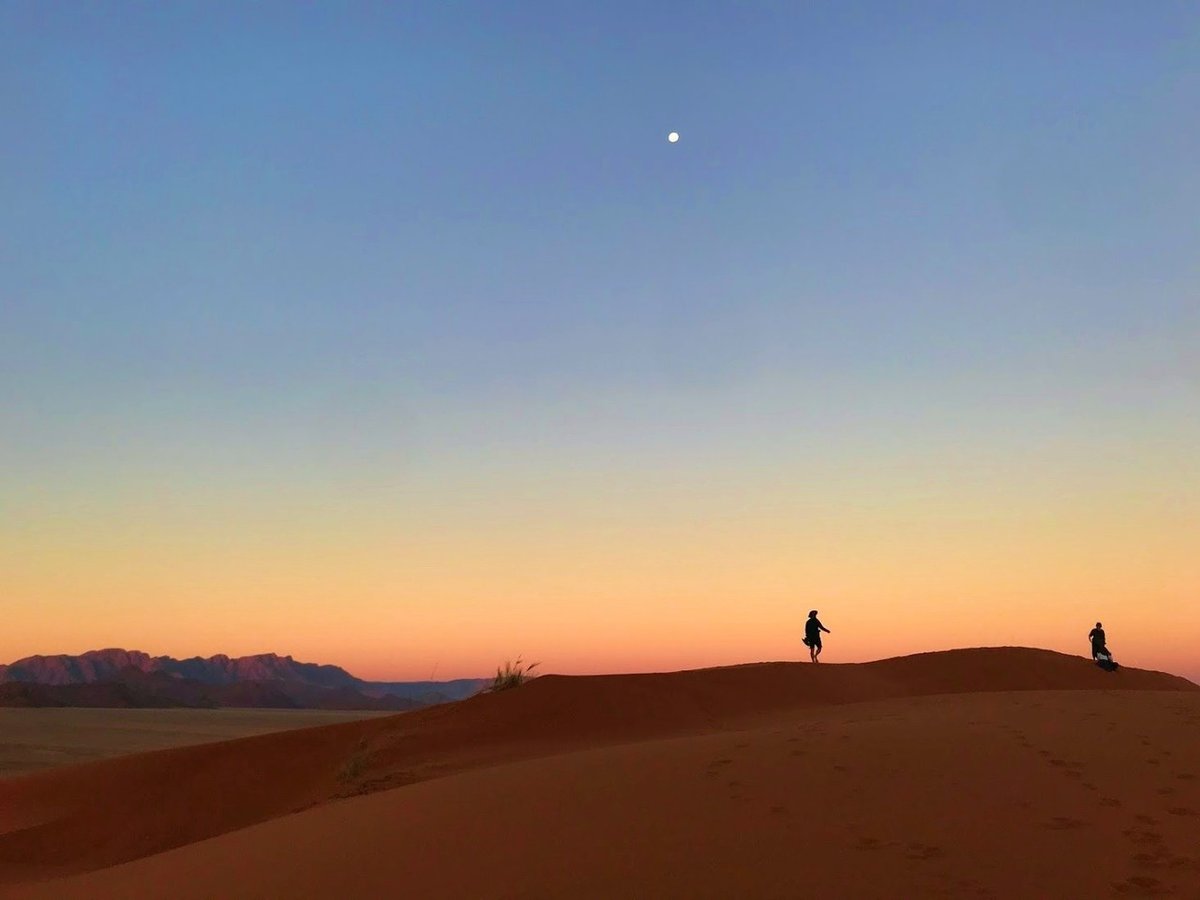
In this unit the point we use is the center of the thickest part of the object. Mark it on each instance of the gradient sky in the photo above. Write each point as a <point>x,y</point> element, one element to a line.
<point>397,336</point>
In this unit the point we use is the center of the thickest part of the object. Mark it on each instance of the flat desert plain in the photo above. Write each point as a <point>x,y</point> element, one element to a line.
<point>33,739</point>
<point>1000,772</point>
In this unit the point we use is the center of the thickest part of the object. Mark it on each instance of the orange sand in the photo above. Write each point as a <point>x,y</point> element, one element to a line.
<point>1004,772</point>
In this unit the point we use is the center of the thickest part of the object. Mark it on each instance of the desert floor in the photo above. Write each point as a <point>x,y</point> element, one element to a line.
<point>979,773</point>
<point>32,739</point>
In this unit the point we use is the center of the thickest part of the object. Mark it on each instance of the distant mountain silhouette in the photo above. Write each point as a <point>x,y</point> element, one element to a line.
<point>101,665</point>
<point>130,678</point>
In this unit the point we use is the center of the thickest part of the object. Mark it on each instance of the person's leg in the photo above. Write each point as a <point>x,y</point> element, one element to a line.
<point>817,657</point>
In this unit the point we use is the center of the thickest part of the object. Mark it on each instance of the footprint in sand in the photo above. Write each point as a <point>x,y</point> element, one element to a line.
<point>1109,801</point>
<point>1141,837</point>
<point>1064,823</point>
<point>1182,811</point>
<point>715,767</point>
<point>924,851</point>
<point>1141,885</point>
<point>1151,859</point>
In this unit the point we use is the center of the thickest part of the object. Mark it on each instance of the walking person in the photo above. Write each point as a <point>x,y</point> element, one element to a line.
<point>812,635</point>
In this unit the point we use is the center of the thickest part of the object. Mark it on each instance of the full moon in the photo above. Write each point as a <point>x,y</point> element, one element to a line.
<point>673,136</point>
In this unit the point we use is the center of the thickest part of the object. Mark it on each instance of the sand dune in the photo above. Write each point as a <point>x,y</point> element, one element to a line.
<point>721,782</point>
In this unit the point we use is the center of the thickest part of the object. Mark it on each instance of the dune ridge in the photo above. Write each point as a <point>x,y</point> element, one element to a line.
<point>88,817</point>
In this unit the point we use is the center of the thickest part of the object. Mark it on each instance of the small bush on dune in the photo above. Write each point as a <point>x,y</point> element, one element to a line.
<point>352,768</point>
<point>514,674</point>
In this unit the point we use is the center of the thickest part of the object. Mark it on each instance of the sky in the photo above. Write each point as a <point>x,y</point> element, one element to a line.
<point>398,336</point>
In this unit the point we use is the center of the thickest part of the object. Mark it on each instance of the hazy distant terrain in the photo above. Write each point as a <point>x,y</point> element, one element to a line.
<point>41,738</point>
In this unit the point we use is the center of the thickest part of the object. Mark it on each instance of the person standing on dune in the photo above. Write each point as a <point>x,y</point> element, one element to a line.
<point>1099,644</point>
<point>812,635</point>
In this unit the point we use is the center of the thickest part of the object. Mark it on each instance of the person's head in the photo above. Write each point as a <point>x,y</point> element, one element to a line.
<point>812,613</point>
<point>1098,625</point>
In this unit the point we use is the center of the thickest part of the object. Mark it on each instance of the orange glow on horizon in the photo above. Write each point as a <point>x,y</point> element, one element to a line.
<point>609,572</point>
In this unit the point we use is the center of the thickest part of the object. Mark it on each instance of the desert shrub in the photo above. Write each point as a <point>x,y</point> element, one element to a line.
<point>514,674</point>
<point>354,765</point>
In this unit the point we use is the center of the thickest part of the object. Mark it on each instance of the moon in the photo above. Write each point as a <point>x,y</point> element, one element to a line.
<point>673,136</point>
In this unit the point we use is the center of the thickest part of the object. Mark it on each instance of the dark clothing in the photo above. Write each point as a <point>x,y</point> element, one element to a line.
<point>1097,636</point>
<point>812,632</point>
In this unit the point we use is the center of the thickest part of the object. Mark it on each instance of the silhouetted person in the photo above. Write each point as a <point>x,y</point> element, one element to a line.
<point>1099,647</point>
<point>812,635</point>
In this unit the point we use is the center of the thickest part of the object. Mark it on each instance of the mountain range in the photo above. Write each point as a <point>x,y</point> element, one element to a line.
<point>131,678</point>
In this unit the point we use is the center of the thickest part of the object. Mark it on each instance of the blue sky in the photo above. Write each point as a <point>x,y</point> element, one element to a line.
<point>476,195</point>
<point>282,210</point>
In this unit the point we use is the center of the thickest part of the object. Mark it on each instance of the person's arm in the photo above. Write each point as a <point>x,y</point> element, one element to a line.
<point>823,628</point>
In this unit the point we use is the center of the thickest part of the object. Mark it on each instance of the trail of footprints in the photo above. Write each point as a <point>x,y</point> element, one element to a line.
<point>1151,854</point>
<point>723,767</point>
